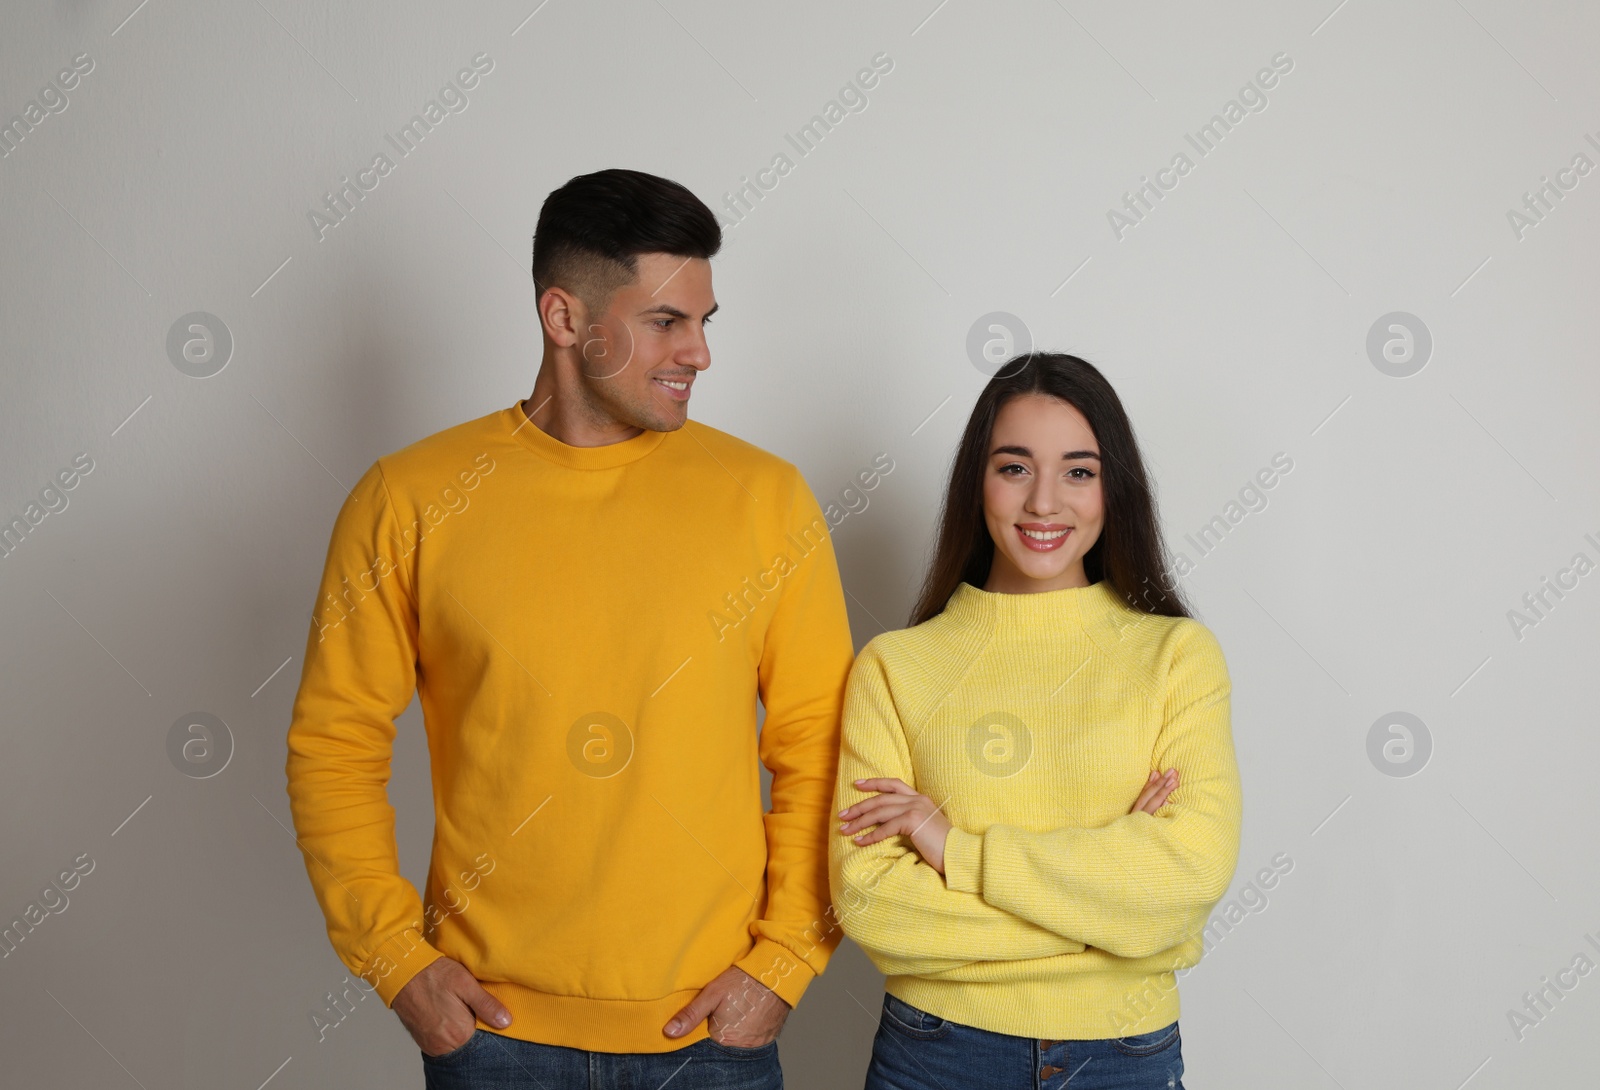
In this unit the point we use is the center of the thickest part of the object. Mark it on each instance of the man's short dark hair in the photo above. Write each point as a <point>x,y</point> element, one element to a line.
<point>592,229</point>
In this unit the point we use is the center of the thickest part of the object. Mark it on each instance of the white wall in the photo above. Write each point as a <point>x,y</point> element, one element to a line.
<point>1233,320</point>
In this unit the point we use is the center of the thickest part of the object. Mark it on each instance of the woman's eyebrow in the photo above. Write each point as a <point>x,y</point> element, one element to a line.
<point>1026,453</point>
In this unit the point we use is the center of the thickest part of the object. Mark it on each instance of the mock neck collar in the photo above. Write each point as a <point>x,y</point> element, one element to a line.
<point>1073,607</point>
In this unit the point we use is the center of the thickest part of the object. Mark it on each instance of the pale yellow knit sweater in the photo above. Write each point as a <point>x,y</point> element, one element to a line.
<point>1034,719</point>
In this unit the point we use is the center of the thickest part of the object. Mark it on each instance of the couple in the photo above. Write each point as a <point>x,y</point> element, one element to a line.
<point>1022,808</point>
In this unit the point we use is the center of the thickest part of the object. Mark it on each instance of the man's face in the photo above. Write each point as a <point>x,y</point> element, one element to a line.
<point>641,356</point>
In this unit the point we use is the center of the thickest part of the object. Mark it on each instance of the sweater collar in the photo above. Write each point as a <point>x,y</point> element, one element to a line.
<point>548,446</point>
<point>1076,607</point>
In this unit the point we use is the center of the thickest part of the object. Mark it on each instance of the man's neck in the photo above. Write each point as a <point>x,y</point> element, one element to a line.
<point>565,415</point>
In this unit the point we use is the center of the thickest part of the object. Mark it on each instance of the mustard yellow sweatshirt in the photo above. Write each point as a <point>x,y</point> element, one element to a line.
<point>1035,720</point>
<point>588,630</point>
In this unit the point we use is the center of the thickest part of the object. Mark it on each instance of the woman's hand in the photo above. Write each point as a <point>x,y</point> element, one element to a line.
<point>899,809</point>
<point>1156,791</point>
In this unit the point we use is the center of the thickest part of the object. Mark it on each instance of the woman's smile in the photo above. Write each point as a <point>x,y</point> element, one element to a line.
<point>1043,537</point>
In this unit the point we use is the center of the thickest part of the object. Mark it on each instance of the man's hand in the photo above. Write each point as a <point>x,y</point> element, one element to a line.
<point>743,1011</point>
<point>441,1005</point>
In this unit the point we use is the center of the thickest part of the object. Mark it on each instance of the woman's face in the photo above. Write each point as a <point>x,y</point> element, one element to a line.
<point>1041,495</point>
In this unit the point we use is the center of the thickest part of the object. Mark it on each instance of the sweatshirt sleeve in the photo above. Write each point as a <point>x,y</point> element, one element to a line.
<point>805,658</point>
<point>358,676</point>
<point>1142,883</point>
<point>896,906</point>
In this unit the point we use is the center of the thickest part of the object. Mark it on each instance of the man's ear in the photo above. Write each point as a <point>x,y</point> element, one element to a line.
<point>563,316</point>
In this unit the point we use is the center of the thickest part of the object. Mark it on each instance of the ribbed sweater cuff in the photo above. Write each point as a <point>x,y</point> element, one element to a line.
<point>777,967</point>
<point>963,861</point>
<point>396,961</point>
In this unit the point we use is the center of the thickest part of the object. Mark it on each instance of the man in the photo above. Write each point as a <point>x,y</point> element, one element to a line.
<point>589,592</point>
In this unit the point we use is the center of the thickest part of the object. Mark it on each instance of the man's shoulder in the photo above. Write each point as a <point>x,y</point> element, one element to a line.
<point>748,462</point>
<point>737,447</point>
<point>470,447</point>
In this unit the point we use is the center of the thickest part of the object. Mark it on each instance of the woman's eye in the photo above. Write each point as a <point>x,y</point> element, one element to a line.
<point>1088,474</point>
<point>1004,469</point>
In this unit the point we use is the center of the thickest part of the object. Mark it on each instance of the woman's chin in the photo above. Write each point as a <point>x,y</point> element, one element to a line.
<point>1038,568</point>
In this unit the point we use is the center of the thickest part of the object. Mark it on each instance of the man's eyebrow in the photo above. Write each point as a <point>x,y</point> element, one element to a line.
<point>1026,453</point>
<point>673,312</point>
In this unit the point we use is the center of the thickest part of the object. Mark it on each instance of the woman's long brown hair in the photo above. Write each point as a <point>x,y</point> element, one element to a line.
<point>1129,553</point>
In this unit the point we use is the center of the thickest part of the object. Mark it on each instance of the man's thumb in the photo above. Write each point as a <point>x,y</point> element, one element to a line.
<point>690,1016</point>
<point>485,1006</point>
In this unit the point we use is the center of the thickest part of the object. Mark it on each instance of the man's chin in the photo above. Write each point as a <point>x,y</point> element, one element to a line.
<point>650,417</point>
<point>664,420</point>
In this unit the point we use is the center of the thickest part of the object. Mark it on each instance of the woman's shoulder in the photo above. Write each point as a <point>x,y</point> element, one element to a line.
<point>937,633</point>
<point>1154,648</point>
<point>926,654</point>
<point>888,649</point>
<point>1157,631</point>
<point>1189,651</point>
<point>1192,635</point>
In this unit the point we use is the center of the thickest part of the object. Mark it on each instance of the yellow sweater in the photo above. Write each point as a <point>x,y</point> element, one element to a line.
<point>1035,720</point>
<point>588,629</point>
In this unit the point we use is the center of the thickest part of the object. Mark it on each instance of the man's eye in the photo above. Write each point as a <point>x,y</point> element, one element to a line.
<point>662,323</point>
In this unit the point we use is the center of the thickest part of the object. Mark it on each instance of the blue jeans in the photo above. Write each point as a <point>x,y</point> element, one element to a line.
<point>493,1061</point>
<point>916,1050</point>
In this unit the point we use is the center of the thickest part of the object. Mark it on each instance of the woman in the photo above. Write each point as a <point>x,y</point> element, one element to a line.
<point>1017,852</point>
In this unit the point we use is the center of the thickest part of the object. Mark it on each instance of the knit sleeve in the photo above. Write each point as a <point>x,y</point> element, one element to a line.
<point>1142,883</point>
<point>891,902</point>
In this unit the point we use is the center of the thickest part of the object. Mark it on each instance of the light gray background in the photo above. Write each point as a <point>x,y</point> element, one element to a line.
<point>1233,322</point>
